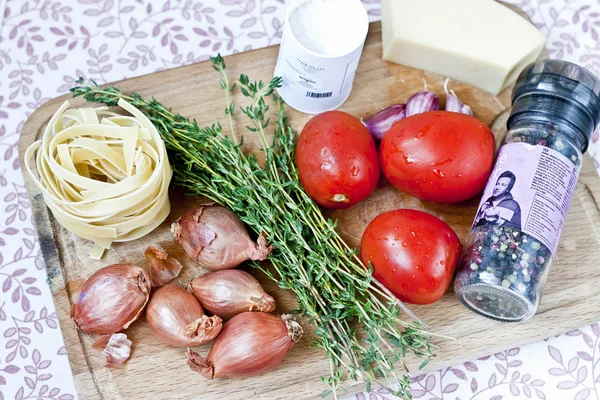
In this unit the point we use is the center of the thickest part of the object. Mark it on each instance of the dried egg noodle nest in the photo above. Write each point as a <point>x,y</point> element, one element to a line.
<point>105,176</point>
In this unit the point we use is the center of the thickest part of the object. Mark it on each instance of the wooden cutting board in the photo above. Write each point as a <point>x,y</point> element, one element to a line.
<point>157,371</point>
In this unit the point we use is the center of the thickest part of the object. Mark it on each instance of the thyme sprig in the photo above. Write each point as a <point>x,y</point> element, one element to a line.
<point>357,320</point>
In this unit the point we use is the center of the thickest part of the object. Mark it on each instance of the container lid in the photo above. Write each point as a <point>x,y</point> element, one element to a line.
<point>559,90</point>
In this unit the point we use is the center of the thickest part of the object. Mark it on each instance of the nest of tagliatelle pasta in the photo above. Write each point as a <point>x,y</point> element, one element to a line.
<point>104,175</point>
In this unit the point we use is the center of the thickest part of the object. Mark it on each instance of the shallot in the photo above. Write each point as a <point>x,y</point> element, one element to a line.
<point>230,292</point>
<point>177,318</point>
<point>249,344</point>
<point>163,268</point>
<point>217,239</point>
<point>111,299</point>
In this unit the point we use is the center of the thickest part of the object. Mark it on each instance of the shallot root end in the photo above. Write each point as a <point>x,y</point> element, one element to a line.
<point>176,229</point>
<point>295,331</point>
<point>205,326</point>
<point>199,364</point>
<point>266,303</point>
<point>262,249</point>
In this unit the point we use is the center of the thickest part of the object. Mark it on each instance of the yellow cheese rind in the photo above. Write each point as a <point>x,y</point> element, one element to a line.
<point>104,176</point>
<point>479,42</point>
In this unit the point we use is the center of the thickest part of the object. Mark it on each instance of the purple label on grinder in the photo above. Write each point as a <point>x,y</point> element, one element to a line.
<point>530,189</point>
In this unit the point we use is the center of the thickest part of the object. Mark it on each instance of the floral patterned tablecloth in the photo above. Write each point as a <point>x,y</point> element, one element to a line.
<point>44,44</point>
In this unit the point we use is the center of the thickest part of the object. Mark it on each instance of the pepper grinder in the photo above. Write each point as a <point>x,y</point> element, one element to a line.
<point>517,227</point>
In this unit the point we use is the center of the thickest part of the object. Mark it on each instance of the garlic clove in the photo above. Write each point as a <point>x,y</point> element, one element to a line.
<point>117,350</point>
<point>381,122</point>
<point>422,102</point>
<point>163,268</point>
<point>453,103</point>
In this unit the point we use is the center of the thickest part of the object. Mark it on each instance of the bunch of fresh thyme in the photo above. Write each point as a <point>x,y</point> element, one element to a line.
<point>334,289</point>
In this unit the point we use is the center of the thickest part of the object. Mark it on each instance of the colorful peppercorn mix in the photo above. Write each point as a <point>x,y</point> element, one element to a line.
<point>556,107</point>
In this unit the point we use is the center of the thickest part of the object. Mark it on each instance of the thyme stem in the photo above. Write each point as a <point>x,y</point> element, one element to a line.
<point>357,320</point>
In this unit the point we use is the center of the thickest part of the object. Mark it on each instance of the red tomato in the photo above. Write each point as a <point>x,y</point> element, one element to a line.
<point>337,160</point>
<point>438,156</point>
<point>413,254</point>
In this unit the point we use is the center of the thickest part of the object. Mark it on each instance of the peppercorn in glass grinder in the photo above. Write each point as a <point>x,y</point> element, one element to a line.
<point>517,227</point>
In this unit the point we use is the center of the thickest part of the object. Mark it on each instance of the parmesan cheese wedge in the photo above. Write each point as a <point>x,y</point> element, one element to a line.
<point>479,42</point>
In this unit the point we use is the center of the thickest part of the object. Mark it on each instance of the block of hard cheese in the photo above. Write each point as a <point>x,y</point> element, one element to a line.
<point>480,42</point>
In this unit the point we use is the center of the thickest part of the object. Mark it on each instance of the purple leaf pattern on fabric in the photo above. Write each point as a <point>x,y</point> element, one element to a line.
<point>485,378</point>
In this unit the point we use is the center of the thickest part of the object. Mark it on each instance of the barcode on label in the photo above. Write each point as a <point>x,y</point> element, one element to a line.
<point>318,95</point>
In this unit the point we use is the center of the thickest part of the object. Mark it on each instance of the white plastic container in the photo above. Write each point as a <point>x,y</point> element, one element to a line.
<point>320,50</point>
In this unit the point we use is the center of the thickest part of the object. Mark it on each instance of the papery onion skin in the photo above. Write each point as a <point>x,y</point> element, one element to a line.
<point>231,292</point>
<point>111,299</point>
<point>177,318</point>
<point>163,268</point>
<point>250,344</point>
<point>101,341</point>
<point>216,238</point>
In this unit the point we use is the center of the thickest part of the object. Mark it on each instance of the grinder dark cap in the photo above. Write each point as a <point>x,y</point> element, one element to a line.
<point>559,91</point>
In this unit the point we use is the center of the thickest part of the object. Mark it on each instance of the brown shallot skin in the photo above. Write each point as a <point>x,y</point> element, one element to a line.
<point>250,344</point>
<point>163,267</point>
<point>231,292</point>
<point>216,238</point>
<point>111,299</point>
<point>101,341</point>
<point>177,318</point>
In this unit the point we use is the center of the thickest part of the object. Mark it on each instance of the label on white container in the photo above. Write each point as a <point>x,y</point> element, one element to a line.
<point>314,83</point>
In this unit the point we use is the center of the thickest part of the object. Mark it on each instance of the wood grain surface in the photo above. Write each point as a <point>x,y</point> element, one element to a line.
<point>157,371</point>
